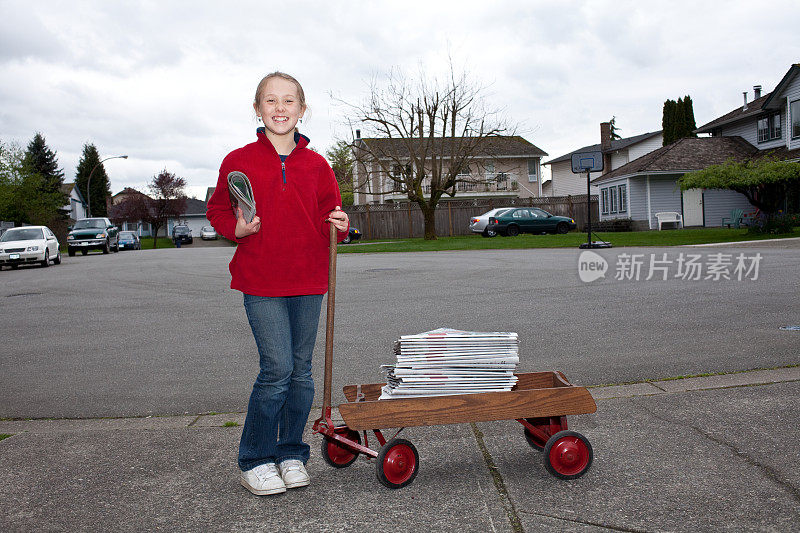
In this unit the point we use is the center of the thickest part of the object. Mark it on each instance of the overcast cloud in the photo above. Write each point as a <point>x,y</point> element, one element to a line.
<point>171,83</point>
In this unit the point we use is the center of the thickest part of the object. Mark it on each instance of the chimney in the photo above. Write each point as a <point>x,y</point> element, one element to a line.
<point>605,136</point>
<point>358,134</point>
<point>744,107</point>
<point>756,92</point>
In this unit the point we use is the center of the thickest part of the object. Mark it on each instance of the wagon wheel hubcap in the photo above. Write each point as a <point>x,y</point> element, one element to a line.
<point>569,455</point>
<point>399,463</point>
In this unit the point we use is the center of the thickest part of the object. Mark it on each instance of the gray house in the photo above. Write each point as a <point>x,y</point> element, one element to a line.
<point>767,126</point>
<point>616,152</point>
<point>194,217</point>
<point>649,184</point>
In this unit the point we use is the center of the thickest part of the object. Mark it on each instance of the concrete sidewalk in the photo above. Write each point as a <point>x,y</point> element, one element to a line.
<point>697,454</point>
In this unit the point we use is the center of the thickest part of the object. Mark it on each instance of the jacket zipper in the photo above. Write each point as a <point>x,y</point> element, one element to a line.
<point>283,171</point>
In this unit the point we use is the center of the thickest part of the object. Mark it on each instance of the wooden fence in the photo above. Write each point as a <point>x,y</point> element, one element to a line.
<point>404,220</point>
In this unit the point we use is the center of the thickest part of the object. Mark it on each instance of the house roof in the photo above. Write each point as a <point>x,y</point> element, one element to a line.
<point>126,191</point>
<point>686,154</point>
<point>67,188</point>
<point>495,146</point>
<point>617,144</point>
<point>195,207</point>
<point>753,108</point>
<point>794,70</point>
<point>782,153</point>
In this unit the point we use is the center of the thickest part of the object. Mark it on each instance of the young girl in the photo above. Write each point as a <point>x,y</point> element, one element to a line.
<point>282,269</point>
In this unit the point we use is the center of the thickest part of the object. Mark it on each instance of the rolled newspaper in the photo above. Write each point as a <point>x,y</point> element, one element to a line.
<point>241,194</point>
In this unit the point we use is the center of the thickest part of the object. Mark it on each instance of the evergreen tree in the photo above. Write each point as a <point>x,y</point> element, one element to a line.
<point>614,129</point>
<point>40,159</point>
<point>677,120</point>
<point>667,122</point>
<point>43,161</point>
<point>101,190</point>
<point>689,112</point>
<point>680,120</point>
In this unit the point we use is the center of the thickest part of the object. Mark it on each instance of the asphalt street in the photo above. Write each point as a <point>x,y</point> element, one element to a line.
<point>159,332</point>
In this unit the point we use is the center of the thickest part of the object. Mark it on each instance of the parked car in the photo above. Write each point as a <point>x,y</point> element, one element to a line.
<point>29,244</point>
<point>182,233</point>
<point>529,220</point>
<point>352,235</point>
<point>478,224</point>
<point>129,240</point>
<point>93,234</point>
<point>208,233</point>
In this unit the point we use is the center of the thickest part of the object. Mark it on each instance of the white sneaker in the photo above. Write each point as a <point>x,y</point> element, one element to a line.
<point>293,473</point>
<point>263,479</point>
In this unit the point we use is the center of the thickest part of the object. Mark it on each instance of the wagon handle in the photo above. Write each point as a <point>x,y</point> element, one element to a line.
<point>326,398</point>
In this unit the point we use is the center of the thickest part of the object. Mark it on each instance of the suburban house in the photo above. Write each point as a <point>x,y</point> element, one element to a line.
<point>767,126</point>
<point>76,208</point>
<point>141,228</point>
<point>616,153</point>
<point>502,167</point>
<point>194,217</point>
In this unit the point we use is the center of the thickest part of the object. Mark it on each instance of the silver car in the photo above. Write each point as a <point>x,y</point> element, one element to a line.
<point>478,224</point>
<point>208,233</point>
<point>29,244</point>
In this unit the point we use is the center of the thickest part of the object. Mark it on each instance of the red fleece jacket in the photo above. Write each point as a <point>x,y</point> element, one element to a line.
<point>289,255</point>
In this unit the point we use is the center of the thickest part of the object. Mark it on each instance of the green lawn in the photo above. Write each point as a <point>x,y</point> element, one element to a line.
<point>570,240</point>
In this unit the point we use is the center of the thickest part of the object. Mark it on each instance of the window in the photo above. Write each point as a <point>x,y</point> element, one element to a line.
<point>769,127</point>
<point>489,167</point>
<point>502,182</point>
<point>521,213</point>
<point>605,201</point>
<point>614,203</point>
<point>532,166</point>
<point>623,198</point>
<point>795,114</point>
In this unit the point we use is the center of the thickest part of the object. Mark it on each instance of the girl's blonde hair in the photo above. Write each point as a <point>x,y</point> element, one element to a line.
<point>277,74</point>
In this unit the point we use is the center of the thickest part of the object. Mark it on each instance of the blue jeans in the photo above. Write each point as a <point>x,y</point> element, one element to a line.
<point>285,329</point>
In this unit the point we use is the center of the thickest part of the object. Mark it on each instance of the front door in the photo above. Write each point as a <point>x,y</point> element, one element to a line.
<point>693,207</point>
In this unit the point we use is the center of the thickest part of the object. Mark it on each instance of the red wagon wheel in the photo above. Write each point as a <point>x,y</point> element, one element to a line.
<point>337,454</point>
<point>568,455</point>
<point>397,463</point>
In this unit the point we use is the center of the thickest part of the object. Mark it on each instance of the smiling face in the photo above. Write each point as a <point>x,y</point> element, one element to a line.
<point>280,106</point>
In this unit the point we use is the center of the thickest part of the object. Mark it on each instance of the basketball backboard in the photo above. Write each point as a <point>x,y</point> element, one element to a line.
<point>587,162</point>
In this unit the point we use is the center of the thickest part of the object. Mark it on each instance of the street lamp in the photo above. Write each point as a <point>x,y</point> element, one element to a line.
<point>89,182</point>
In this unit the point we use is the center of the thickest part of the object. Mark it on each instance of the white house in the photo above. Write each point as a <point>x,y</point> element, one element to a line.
<point>767,126</point>
<point>615,154</point>
<point>77,205</point>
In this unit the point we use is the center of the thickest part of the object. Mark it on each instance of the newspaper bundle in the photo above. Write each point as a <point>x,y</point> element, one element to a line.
<point>449,361</point>
<point>241,194</point>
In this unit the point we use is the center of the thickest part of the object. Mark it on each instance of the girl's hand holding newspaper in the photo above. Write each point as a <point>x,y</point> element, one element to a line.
<point>243,229</point>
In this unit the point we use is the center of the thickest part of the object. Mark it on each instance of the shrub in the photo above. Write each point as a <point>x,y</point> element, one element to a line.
<point>778,224</point>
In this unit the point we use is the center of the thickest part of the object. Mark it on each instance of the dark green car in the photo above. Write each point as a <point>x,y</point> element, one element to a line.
<point>92,234</point>
<point>529,220</point>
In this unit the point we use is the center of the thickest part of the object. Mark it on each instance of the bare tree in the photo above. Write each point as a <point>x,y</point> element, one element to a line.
<point>422,135</point>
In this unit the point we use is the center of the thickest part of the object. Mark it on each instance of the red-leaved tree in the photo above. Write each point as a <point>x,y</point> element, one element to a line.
<point>167,200</point>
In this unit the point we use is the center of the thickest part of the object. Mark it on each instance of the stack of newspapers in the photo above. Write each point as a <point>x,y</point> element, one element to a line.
<point>448,361</point>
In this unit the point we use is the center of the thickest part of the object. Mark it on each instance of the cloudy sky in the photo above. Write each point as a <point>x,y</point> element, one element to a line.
<point>170,83</point>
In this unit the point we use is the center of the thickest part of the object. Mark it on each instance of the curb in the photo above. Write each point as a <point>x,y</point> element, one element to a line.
<point>222,420</point>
